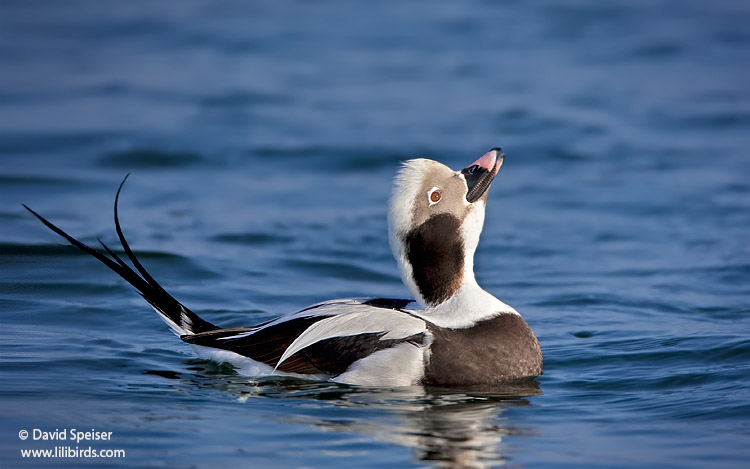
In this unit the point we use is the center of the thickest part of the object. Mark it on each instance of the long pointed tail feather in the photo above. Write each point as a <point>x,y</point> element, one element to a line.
<point>180,319</point>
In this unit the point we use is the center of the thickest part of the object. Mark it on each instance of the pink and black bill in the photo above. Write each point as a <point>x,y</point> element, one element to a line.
<point>479,174</point>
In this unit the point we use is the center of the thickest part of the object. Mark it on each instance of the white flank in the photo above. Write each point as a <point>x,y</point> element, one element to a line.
<point>402,365</point>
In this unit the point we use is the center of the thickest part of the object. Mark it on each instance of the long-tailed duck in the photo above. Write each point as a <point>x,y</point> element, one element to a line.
<point>453,334</point>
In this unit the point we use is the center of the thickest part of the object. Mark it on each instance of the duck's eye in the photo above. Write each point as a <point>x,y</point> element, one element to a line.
<point>434,195</point>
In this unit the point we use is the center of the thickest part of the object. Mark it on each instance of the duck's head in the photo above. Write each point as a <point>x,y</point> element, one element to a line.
<point>434,222</point>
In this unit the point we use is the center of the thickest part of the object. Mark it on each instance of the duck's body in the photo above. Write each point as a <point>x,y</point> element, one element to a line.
<point>453,334</point>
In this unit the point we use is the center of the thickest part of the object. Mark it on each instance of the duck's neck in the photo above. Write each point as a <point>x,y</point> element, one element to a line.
<point>463,307</point>
<point>469,305</point>
<point>436,260</point>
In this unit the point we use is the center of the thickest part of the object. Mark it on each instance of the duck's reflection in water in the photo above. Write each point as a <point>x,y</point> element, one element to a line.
<point>444,427</point>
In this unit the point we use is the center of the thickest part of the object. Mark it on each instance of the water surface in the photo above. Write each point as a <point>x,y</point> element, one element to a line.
<point>261,138</point>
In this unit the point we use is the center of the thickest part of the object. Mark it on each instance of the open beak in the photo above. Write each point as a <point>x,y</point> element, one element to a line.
<point>479,174</point>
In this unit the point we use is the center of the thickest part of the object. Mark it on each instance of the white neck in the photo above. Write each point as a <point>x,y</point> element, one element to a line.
<point>469,305</point>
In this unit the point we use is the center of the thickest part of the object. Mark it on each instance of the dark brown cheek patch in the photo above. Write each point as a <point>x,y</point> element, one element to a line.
<point>435,251</point>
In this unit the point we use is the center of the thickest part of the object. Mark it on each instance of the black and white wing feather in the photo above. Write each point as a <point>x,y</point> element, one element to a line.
<point>325,339</point>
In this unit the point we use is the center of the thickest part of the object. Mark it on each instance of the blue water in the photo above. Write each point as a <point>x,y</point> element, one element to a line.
<point>261,138</point>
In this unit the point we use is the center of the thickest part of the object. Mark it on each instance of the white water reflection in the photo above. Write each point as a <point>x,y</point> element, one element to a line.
<point>443,427</point>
